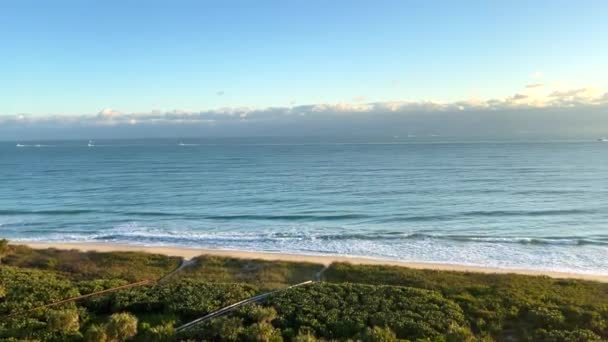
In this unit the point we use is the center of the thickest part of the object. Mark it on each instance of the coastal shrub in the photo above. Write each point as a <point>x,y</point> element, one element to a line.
<point>457,333</point>
<point>304,336</point>
<point>95,333</point>
<point>130,266</point>
<point>498,305</point>
<point>546,317</point>
<point>378,334</point>
<point>251,322</point>
<point>227,328</point>
<point>261,332</point>
<point>186,298</point>
<point>259,314</point>
<point>4,249</point>
<point>26,288</point>
<point>98,303</point>
<point>338,311</point>
<point>578,335</point>
<point>158,333</point>
<point>121,327</point>
<point>357,302</point>
<point>263,273</point>
<point>63,321</point>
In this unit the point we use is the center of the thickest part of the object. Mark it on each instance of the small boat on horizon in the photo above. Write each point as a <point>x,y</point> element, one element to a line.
<point>602,139</point>
<point>90,144</point>
<point>19,145</point>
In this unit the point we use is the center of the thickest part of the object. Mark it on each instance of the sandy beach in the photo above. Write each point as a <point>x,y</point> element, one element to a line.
<point>189,253</point>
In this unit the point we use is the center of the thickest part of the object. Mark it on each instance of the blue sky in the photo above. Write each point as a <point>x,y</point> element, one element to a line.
<point>78,57</point>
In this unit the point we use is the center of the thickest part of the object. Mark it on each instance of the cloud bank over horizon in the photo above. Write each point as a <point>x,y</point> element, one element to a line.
<point>546,110</point>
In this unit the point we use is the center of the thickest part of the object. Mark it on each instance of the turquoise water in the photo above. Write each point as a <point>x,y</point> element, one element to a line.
<point>510,205</point>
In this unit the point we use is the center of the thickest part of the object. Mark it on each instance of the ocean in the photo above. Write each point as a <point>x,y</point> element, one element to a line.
<point>519,205</point>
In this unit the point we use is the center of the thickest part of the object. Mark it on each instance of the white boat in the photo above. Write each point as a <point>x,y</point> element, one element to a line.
<point>603,140</point>
<point>90,144</point>
<point>19,145</point>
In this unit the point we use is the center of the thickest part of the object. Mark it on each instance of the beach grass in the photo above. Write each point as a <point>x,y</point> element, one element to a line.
<point>264,273</point>
<point>82,265</point>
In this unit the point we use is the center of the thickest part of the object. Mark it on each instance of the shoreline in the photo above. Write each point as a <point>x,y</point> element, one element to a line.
<point>191,252</point>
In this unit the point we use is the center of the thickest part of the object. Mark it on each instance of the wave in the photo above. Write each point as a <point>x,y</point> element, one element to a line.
<point>134,232</point>
<point>46,212</point>
<point>87,211</point>
<point>572,241</point>
<point>364,218</point>
<point>34,145</point>
<point>289,217</point>
<point>491,213</point>
<point>176,239</point>
<point>307,217</point>
<point>468,238</point>
<point>148,213</point>
<point>193,238</point>
<point>486,213</point>
<point>302,238</point>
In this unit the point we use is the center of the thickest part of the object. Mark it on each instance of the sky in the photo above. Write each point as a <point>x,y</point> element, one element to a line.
<point>122,68</point>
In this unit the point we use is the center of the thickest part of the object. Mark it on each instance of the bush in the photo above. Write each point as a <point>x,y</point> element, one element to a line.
<point>261,332</point>
<point>159,333</point>
<point>578,335</point>
<point>63,321</point>
<point>95,333</point>
<point>305,337</point>
<point>121,327</point>
<point>338,311</point>
<point>499,305</point>
<point>130,266</point>
<point>187,298</point>
<point>546,317</point>
<point>378,334</point>
<point>227,328</point>
<point>263,273</point>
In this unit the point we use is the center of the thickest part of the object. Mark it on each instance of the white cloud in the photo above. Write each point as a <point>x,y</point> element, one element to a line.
<point>109,113</point>
<point>546,97</point>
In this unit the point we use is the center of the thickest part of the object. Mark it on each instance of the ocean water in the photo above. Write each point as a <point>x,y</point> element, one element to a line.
<point>541,205</point>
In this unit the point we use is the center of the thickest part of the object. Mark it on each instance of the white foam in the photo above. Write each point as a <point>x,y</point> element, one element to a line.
<point>484,251</point>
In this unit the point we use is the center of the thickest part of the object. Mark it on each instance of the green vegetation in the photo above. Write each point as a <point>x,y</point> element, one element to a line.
<point>262,273</point>
<point>340,311</point>
<point>365,303</point>
<point>503,306</point>
<point>130,266</point>
<point>4,249</point>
